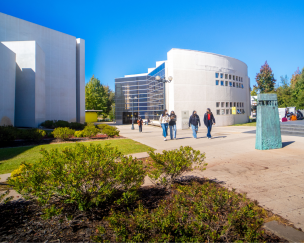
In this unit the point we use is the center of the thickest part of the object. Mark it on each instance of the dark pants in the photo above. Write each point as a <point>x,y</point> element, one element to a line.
<point>209,127</point>
<point>140,128</point>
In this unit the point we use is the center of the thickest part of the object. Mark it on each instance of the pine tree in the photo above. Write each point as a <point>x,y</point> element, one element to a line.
<point>265,79</point>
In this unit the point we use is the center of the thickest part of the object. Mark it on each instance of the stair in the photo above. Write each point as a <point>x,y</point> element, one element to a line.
<point>289,129</point>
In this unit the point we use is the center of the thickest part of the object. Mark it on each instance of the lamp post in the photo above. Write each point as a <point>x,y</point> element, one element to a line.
<point>164,81</point>
<point>132,128</point>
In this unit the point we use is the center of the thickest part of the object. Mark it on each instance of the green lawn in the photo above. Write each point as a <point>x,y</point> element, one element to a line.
<point>10,158</point>
<point>253,124</point>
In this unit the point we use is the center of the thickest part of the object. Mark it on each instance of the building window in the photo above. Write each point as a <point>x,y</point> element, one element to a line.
<point>230,84</point>
<point>218,112</point>
<point>223,104</point>
<point>237,78</point>
<point>222,75</point>
<point>242,86</point>
<point>217,104</point>
<point>216,82</point>
<point>229,76</point>
<point>222,83</point>
<point>223,112</point>
<point>237,104</point>
<point>230,111</point>
<point>226,83</point>
<point>233,84</point>
<point>227,104</point>
<point>227,111</point>
<point>230,104</point>
<point>233,77</point>
<point>216,75</point>
<point>234,104</point>
<point>226,76</point>
<point>237,85</point>
<point>241,79</point>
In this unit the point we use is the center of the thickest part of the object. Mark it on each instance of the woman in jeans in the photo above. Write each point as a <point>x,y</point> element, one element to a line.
<point>209,121</point>
<point>194,121</point>
<point>140,124</point>
<point>164,120</point>
<point>172,125</point>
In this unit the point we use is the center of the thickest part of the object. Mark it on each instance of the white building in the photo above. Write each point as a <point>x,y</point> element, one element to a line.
<point>42,74</point>
<point>201,80</point>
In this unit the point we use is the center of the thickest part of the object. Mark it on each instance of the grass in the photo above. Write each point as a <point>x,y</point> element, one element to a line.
<point>253,124</point>
<point>11,158</point>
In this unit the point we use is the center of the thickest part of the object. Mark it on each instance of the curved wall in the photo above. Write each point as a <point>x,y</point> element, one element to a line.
<point>194,85</point>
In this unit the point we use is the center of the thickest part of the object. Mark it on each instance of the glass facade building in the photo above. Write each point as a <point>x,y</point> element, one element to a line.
<point>142,93</point>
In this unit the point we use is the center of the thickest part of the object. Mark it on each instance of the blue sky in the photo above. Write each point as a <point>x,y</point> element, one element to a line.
<point>127,37</point>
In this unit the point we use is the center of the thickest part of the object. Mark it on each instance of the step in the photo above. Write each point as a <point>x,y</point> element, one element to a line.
<point>292,129</point>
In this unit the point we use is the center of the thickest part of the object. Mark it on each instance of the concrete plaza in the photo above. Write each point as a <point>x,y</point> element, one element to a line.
<point>274,178</point>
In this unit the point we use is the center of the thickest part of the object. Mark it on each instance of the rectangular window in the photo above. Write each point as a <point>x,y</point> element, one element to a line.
<point>237,104</point>
<point>233,84</point>
<point>233,77</point>
<point>230,111</point>
<point>216,75</point>
<point>226,76</point>
<point>227,111</point>
<point>223,112</point>
<point>222,83</point>
<point>242,79</point>
<point>223,104</point>
<point>218,112</point>
<point>229,76</point>
<point>230,84</point>
<point>230,104</point>
<point>227,104</point>
<point>237,85</point>
<point>217,104</point>
<point>242,86</point>
<point>226,83</point>
<point>222,75</point>
<point>216,82</point>
<point>234,104</point>
<point>237,78</point>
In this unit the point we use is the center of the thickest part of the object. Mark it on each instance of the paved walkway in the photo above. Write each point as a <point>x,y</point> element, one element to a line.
<point>275,178</point>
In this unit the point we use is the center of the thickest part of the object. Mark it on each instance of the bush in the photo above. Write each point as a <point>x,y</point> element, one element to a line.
<point>110,131</point>
<point>7,134</point>
<point>80,175</point>
<point>90,131</point>
<point>63,133</point>
<point>76,126</point>
<point>47,124</point>
<point>31,134</point>
<point>192,213</point>
<point>78,134</point>
<point>102,126</point>
<point>61,123</point>
<point>171,165</point>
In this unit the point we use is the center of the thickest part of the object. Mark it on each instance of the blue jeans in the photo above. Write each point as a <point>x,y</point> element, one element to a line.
<point>209,131</point>
<point>165,129</point>
<point>172,131</point>
<point>194,130</point>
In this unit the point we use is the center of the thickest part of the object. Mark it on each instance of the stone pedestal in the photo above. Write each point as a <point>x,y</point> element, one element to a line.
<point>268,131</point>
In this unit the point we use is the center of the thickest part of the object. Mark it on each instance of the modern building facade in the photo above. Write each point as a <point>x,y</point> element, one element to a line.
<point>201,80</point>
<point>45,80</point>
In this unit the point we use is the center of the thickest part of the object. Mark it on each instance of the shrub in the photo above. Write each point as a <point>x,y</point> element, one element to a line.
<point>7,134</point>
<point>31,134</point>
<point>61,123</point>
<point>90,131</point>
<point>76,126</point>
<point>78,134</point>
<point>102,126</point>
<point>171,165</point>
<point>192,213</point>
<point>110,131</point>
<point>81,175</point>
<point>47,124</point>
<point>63,133</point>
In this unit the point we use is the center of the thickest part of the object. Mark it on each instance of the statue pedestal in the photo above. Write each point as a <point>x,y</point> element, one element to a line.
<point>268,131</point>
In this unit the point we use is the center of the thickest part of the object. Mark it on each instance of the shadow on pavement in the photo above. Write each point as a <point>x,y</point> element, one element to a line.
<point>284,144</point>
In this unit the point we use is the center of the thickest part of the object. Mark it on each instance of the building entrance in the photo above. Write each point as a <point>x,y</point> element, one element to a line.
<point>127,117</point>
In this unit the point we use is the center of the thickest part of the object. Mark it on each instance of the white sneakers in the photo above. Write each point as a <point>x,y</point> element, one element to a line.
<point>165,139</point>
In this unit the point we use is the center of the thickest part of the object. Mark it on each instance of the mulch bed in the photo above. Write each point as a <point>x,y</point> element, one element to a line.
<point>21,142</point>
<point>21,221</point>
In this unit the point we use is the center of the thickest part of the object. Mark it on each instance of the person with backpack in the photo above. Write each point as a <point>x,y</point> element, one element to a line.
<point>209,121</point>
<point>164,121</point>
<point>140,123</point>
<point>194,121</point>
<point>172,125</point>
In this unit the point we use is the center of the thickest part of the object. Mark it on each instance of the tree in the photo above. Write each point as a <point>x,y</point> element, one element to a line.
<point>295,77</point>
<point>265,79</point>
<point>298,91</point>
<point>110,101</point>
<point>95,95</point>
<point>254,92</point>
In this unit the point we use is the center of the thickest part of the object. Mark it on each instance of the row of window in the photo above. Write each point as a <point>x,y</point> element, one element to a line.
<point>229,104</point>
<point>229,111</point>
<point>228,76</point>
<point>231,84</point>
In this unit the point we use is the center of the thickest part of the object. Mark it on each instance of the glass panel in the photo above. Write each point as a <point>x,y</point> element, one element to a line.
<point>223,112</point>
<point>216,75</point>
<point>229,76</point>
<point>217,104</point>
<point>233,84</point>
<point>226,83</point>
<point>230,104</point>
<point>233,77</point>
<point>222,104</point>
<point>218,112</point>
<point>227,111</point>
<point>226,76</point>
<point>222,75</point>
<point>216,82</point>
<point>227,104</point>
<point>230,84</point>
<point>222,83</point>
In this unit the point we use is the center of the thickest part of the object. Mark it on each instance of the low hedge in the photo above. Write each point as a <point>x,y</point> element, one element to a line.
<point>63,133</point>
<point>9,134</point>
<point>60,123</point>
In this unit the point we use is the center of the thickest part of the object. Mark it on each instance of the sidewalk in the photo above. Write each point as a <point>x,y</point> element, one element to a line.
<point>275,178</point>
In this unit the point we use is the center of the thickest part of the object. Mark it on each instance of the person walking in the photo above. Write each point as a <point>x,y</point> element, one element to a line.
<point>140,124</point>
<point>209,121</point>
<point>172,125</point>
<point>194,121</point>
<point>164,120</point>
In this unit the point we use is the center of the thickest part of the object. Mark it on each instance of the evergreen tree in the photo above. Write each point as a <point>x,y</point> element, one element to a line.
<point>265,79</point>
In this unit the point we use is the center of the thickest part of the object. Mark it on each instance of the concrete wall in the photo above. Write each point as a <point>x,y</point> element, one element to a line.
<point>80,76</point>
<point>30,83</point>
<point>7,86</point>
<point>60,65</point>
<point>193,86</point>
